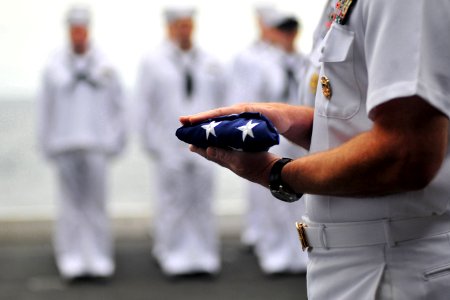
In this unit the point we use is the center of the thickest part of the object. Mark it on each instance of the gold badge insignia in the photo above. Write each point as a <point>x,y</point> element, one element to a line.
<point>313,82</point>
<point>326,87</point>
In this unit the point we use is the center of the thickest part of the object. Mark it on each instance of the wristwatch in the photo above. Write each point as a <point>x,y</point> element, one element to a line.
<point>276,185</point>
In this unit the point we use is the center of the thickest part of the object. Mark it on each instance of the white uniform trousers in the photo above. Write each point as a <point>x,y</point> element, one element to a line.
<point>82,229</point>
<point>252,217</point>
<point>412,270</point>
<point>185,237</point>
<point>277,246</point>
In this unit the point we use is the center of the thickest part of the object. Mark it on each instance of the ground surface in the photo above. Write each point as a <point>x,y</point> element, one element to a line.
<point>28,272</point>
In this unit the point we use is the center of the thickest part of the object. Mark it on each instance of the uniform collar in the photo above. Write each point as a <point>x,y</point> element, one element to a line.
<point>88,57</point>
<point>178,56</point>
<point>176,51</point>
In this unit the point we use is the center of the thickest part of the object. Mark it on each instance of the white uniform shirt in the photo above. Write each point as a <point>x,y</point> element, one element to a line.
<point>246,79</point>
<point>81,114</point>
<point>162,98</point>
<point>308,86</point>
<point>386,50</point>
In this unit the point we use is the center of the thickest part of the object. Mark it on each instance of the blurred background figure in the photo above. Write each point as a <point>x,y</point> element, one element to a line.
<point>176,79</point>
<point>245,85</point>
<point>272,75</point>
<point>81,127</point>
<point>278,249</point>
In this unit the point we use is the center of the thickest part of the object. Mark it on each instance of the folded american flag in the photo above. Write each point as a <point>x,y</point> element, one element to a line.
<point>250,132</point>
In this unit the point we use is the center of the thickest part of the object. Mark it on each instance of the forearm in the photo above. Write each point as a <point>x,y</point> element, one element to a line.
<point>371,164</point>
<point>301,123</point>
<point>353,169</point>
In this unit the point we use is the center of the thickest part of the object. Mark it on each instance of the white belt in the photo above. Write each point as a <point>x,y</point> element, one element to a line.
<point>357,234</point>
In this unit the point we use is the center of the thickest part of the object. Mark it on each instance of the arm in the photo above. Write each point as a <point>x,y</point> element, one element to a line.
<point>402,152</point>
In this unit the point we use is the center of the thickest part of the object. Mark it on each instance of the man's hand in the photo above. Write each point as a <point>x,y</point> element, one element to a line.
<point>252,166</point>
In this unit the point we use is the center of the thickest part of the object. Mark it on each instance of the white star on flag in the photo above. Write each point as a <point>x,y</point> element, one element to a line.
<point>247,129</point>
<point>210,128</point>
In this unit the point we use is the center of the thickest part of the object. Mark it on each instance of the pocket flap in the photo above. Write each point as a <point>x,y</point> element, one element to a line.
<point>338,43</point>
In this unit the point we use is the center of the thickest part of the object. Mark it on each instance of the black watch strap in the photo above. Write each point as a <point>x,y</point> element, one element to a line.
<point>277,187</point>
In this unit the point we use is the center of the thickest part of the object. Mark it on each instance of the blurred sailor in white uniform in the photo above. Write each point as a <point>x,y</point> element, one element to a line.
<point>81,127</point>
<point>244,85</point>
<point>179,78</point>
<point>275,76</point>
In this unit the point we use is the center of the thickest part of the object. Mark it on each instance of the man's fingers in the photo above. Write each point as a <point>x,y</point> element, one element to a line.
<point>192,119</point>
<point>219,156</point>
<point>199,151</point>
<point>211,153</point>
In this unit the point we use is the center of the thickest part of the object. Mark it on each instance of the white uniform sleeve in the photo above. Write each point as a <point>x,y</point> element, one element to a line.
<point>407,51</point>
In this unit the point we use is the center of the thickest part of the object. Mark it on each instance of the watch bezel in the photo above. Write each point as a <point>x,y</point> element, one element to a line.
<point>282,194</point>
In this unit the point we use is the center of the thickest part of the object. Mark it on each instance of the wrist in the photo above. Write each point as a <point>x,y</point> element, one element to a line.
<point>277,186</point>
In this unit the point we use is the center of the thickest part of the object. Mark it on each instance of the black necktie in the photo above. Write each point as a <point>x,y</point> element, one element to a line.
<point>85,77</point>
<point>290,81</point>
<point>188,84</point>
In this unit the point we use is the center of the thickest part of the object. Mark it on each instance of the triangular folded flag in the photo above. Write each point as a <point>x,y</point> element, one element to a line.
<point>248,131</point>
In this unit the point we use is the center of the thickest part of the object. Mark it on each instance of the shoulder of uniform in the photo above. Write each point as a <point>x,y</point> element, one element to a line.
<point>155,56</point>
<point>203,56</point>
<point>249,58</point>
<point>209,62</point>
<point>55,58</point>
<point>103,60</point>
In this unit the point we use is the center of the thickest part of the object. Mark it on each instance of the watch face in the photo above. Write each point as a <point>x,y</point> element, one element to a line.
<point>284,195</point>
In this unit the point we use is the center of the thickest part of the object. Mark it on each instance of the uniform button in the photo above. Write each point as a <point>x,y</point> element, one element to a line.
<point>326,87</point>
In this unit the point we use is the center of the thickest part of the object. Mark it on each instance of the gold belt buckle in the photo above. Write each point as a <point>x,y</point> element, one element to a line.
<point>302,235</point>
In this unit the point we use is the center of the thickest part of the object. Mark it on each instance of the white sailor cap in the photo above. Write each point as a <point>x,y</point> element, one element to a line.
<point>281,20</point>
<point>175,13</point>
<point>263,12</point>
<point>78,15</point>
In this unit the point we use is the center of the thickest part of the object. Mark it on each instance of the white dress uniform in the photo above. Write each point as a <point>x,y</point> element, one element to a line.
<point>271,75</point>
<point>396,246</point>
<point>244,85</point>
<point>185,238</point>
<point>81,125</point>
